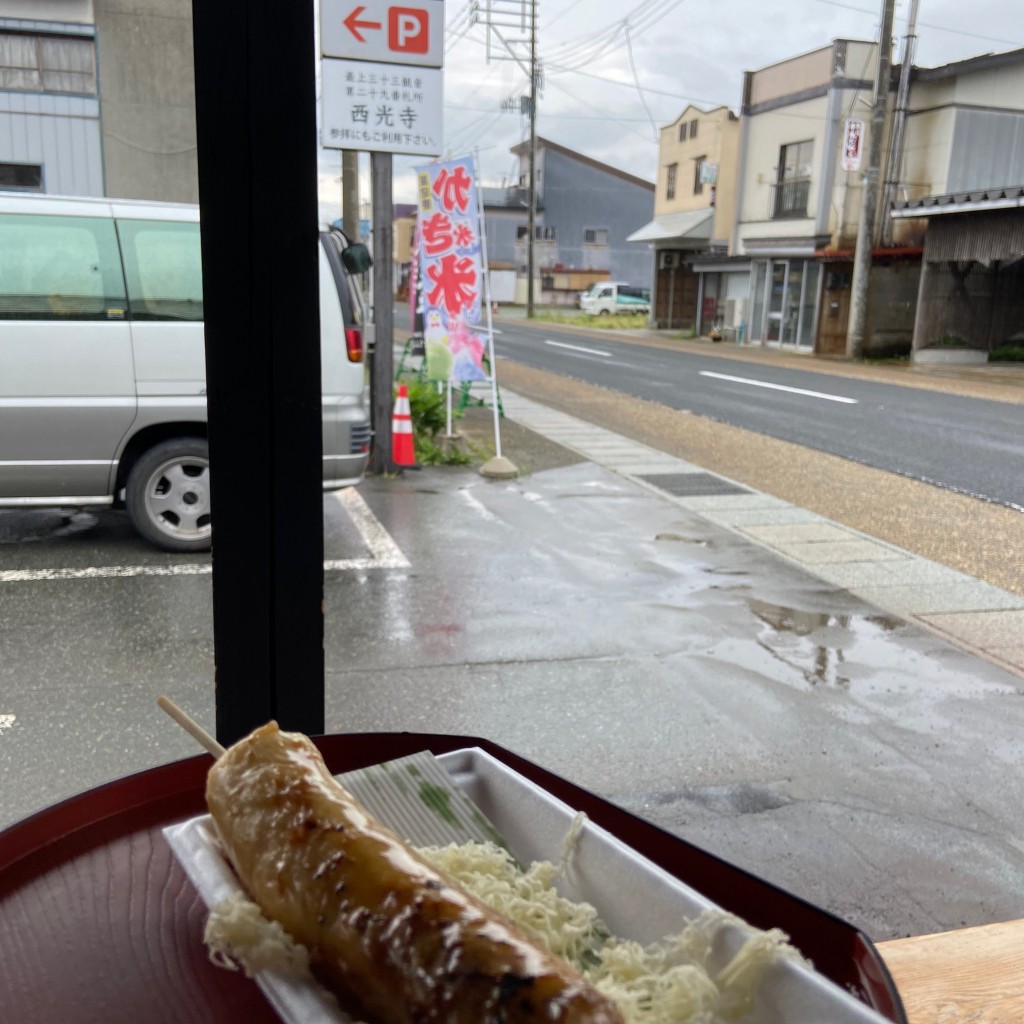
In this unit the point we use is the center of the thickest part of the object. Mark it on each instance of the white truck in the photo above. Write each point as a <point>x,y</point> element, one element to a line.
<point>607,297</point>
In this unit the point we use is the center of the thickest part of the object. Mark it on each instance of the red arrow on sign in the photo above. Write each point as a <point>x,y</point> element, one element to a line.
<point>353,24</point>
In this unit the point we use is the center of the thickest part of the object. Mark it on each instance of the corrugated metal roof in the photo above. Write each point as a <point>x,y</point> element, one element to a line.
<point>1005,197</point>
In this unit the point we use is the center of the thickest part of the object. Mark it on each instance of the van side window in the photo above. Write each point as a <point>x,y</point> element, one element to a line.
<point>163,268</point>
<point>59,268</point>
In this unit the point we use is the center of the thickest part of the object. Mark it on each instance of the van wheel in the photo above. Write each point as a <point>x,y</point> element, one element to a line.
<point>168,495</point>
<point>604,312</point>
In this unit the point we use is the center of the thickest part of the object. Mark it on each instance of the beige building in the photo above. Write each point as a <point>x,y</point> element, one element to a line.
<point>804,139</point>
<point>694,205</point>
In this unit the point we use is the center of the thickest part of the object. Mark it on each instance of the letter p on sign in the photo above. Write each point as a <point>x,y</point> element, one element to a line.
<point>407,30</point>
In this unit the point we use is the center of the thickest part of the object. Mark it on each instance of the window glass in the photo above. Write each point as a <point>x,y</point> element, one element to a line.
<point>50,63</point>
<point>698,170</point>
<point>682,132</point>
<point>794,180</point>
<point>693,129</point>
<point>812,271</point>
<point>595,236</point>
<point>59,268</point>
<point>21,177</point>
<point>670,183</point>
<point>163,268</point>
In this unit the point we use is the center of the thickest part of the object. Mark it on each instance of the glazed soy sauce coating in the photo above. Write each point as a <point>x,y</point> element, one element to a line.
<point>393,937</point>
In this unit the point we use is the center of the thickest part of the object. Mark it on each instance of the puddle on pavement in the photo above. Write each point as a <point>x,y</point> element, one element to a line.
<point>817,644</point>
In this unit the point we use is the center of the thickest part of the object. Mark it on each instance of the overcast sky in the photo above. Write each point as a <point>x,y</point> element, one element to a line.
<point>616,72</point>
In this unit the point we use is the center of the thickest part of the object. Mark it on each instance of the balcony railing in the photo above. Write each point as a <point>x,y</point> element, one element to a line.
<point>789,198</point>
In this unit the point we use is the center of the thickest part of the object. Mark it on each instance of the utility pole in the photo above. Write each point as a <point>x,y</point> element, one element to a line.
<point>350,193</point>
<point>382,368</point>
<point>899,124</point>
<point>532,231</point>
<point>520,15</point>
<point>869,201</point>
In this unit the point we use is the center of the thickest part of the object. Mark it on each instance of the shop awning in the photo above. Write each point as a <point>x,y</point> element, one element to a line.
<point>690,230</point>
<point>1006,198</point>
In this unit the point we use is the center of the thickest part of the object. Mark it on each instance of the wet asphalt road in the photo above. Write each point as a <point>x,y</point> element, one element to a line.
<point>961,443</point>
<point>596,628</point>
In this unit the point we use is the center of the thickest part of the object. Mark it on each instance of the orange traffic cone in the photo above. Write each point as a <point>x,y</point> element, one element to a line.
<point>402,451</point>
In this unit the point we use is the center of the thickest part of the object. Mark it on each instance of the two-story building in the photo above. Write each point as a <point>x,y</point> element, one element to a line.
<point>50,126</point>
<point>585,212</point>
<point>97,98</point>
<point>960,191</point>
<point>800,185</point>
<point>694,208</point>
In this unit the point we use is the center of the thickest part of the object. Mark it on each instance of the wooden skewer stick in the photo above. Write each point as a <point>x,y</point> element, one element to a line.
<point>191,726</point>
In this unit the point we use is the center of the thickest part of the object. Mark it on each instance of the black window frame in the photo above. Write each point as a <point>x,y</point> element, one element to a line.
<point>792,189</point>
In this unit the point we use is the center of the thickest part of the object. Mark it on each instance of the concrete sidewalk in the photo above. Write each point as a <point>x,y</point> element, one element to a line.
<point>977,616</point>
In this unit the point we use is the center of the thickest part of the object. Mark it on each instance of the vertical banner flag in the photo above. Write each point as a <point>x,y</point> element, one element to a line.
<point>451,270</point>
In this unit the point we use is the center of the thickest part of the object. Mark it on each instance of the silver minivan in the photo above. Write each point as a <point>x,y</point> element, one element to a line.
<point>102,364</point>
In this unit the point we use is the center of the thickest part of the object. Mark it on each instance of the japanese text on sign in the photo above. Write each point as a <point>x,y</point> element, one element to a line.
<point>451,269</point>
<point>380,107</point>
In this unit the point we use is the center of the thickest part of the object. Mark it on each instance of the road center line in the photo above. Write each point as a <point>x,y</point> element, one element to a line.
<point>578,348</point>
<point>780,387</point>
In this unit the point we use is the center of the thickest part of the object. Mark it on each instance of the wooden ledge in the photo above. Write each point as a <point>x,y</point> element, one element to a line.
<point>968,976</point>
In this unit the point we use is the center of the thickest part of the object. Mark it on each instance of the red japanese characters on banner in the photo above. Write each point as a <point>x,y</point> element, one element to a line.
<point>451,271</point>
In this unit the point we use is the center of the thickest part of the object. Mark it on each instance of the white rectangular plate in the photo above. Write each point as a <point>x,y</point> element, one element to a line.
<point>635,898</point>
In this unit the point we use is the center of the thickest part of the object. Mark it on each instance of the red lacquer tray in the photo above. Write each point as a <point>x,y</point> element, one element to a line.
<point>98,922</point>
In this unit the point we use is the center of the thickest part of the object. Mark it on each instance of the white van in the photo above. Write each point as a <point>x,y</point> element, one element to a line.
<point>102,364</point>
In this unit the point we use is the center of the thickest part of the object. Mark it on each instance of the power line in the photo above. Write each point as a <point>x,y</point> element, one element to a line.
<point>925,24</point>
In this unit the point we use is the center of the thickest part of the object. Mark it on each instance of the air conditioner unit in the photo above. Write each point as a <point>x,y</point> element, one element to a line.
<point>735,312</point>
<point>668,260</point>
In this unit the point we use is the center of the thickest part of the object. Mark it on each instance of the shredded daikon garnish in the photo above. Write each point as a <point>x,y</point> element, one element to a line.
<point>237,934</point>
<point>667,982</point>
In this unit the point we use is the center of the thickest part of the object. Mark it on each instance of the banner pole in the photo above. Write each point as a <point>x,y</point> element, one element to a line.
<point>490,319</point>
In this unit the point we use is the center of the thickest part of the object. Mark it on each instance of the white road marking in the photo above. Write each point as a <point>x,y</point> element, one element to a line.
<point>780,387</point>
<point>98,572</point>
<point>475,503</point>
<point>578,348</point>
<point>6,722</point>
<point>384,554</point>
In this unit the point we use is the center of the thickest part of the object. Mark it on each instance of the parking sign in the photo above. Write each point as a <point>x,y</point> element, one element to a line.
<point>377,30</point>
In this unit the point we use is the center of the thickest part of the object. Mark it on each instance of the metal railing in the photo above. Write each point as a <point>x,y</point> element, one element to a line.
<point>789,198</point>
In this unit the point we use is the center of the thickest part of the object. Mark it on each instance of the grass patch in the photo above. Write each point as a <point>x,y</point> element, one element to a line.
<point>1007,354</point>
<point>610,321</point>
<point>427,406</point>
